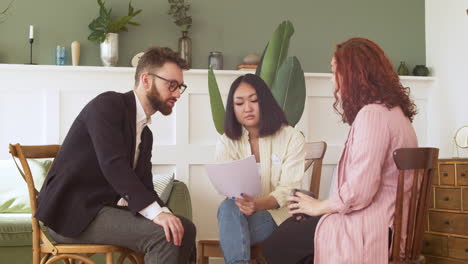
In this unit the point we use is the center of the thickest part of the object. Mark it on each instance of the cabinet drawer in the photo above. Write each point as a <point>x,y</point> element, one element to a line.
<point>453,223</point>
<point>439,260</point>
<point>462,174</point>
<point>435,245</point>
<point>448,198</point>
<point>458,248</point>
<point>447,174</point>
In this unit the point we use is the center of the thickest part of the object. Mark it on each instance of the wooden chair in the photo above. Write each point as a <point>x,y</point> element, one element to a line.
<point>44,251</point>
<point>314,156</point>
<point>420,163</point>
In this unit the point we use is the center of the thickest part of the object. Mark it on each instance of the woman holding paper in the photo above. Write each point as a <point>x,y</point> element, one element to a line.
<point>354,228</point>
<point>256,125</point>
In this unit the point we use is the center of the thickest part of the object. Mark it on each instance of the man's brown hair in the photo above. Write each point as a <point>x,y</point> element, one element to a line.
<point>155,57</point>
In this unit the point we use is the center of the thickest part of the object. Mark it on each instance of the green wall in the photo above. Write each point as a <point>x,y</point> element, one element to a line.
<point>233,27</point>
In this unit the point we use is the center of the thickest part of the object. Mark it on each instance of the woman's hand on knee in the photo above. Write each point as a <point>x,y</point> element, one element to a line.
<point>305,204</point>
<point>246,204</point>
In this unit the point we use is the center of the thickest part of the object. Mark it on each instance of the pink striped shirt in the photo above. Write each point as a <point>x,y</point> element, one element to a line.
<point>365,190</point>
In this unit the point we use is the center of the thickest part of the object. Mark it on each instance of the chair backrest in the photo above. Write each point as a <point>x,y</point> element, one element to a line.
<point>22,153</point>
<point>314,155</point>
<point>418,163</point>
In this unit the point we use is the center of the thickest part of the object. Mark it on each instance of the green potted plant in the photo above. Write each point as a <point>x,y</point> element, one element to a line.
<point>178,9</point>
<point>283,74</point>
<point>105,28</point>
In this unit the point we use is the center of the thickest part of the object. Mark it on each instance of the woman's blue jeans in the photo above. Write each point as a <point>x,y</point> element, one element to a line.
<point>237,231</point>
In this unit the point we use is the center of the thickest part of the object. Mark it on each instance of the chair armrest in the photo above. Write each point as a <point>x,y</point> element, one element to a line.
<point>179,200</point>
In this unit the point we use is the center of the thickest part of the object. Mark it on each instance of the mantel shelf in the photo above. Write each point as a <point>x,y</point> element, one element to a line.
<point>26,67</point>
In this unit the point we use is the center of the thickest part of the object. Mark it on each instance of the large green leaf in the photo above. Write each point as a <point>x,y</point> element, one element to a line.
<point>289,89</point>
<point>276,52</point>
<point>259,67</point>
<point>217,108</point>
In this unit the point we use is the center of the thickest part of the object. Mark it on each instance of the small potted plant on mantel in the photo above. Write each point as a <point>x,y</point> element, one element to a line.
<point>178,9</point>
<point>105,28</point>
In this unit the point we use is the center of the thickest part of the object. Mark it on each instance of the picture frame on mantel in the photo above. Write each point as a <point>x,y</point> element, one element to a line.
<point>460,139</point>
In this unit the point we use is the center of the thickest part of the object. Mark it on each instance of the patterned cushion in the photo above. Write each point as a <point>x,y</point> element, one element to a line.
<point>163,185</point>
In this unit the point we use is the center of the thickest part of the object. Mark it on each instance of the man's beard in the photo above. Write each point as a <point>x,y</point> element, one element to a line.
<point>157,103</point>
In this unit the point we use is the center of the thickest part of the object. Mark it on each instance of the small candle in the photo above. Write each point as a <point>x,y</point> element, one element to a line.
<point>31,31</point>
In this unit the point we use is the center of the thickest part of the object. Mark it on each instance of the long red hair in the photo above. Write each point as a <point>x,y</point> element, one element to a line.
<point>364,75</point>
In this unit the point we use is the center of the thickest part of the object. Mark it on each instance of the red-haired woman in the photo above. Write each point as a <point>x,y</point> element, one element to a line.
<point>353,224</point>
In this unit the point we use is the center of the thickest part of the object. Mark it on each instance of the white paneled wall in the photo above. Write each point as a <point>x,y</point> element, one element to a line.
<point>39,103</point>
<point>446,57</point>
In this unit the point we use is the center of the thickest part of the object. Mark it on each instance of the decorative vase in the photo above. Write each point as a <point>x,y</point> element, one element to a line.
<point>251,59</point>
<point>215,60</point>
<point>403,69</point>
<point>75,52</point>
<point>420,70</point>
<point>110,50</point>
<point>185,48</point>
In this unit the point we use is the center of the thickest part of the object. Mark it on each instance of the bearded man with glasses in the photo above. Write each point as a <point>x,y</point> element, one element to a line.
<point>99,189</point>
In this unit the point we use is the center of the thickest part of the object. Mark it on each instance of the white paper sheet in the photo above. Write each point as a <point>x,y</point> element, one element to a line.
<point>235,177</point>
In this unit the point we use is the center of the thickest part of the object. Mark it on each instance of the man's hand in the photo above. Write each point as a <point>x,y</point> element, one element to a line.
<point>171,224</point>
<point>246,204</point>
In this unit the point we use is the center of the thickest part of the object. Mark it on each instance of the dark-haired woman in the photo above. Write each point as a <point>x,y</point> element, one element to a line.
<point>354,228</point>
<point>256,125</point>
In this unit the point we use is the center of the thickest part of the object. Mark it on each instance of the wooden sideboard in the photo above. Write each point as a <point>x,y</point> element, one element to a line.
<point>446,236</point>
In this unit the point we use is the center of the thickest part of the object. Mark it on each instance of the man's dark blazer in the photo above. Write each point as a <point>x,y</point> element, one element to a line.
<point>94,166</point>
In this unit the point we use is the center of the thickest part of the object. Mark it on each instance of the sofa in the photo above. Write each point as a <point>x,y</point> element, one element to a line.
<point>15,216</point>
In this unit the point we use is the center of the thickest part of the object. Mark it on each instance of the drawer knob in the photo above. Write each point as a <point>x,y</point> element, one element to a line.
<point>445,174</point>
<point>463,174</point>
<point>466,250</point>
<point>426,244</point>
<point>446,198</point>
<point>447,222</point>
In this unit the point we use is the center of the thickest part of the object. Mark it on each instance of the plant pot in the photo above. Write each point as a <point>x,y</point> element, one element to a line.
<point>110,50</point>
<point>185,48</point>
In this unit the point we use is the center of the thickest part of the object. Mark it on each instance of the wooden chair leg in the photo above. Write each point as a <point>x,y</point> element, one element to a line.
<point>140,257</point>
<point>44,258</point>
<point>88,255</point>
<point>132,256</point>
<point>199,253</point>
<point>56,258</point>
<point>134,259</point>
<point>122,257</point>
<point>109,258</point>
<point>201,258</point>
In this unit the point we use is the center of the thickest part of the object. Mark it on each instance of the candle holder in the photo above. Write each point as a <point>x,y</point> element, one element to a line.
<point>31,41</point>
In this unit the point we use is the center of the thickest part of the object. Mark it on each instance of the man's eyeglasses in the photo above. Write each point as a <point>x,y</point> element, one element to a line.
<point>173,84</point>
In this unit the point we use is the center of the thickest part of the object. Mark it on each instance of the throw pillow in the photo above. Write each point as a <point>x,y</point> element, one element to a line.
<point>163,184</point>
<point>14,195</point>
